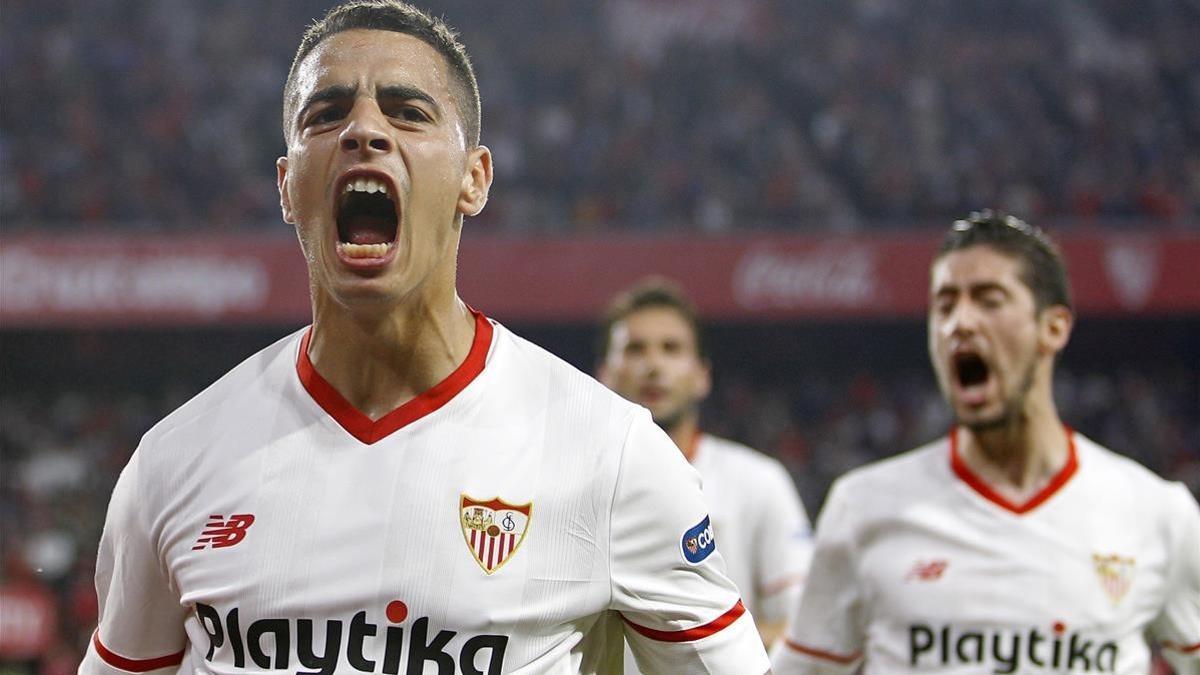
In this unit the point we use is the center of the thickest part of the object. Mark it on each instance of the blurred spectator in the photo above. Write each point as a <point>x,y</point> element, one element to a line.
<point>636,114</point>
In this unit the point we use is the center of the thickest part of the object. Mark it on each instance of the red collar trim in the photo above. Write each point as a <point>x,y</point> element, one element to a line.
<point>369,431</point>
<point>977,484</point>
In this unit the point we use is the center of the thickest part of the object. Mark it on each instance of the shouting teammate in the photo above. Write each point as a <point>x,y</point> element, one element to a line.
<point>1015,544</point>
<point>405,486</point>
<point>653,353</point>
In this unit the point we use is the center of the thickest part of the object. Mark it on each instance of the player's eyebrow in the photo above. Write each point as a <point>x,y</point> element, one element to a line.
<point>943,289</point>
<point>976,288</point>
<point>329,93</point>
<point>404,92</point>
<point>395,92</point>
<point>985,286</point>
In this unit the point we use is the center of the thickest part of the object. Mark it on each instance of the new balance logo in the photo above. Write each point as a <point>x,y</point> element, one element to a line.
<point>221,533</point>
<point>927,571</point>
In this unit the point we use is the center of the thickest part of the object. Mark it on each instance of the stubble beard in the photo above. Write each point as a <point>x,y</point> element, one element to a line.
<point>671,419</point>
<point>1012,413</point>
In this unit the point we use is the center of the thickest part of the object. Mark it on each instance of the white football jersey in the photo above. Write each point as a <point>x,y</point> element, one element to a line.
<point>758,518</point>
<point>760,523</point>
<point>920,567</point>
<point>516,518</point>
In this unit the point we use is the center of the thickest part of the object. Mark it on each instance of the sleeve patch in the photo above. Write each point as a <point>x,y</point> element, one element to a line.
<point>698,542</point>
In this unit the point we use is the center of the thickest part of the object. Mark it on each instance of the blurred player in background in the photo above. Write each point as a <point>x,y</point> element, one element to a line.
<point>1015,544</point>
<point>653,354</point>
<point>405,485</point>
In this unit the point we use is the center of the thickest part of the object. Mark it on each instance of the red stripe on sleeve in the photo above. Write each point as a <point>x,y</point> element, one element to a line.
<point>1186,649</point>
<point>828,656</point>
<point>697,633</point>
<point>135,665</point>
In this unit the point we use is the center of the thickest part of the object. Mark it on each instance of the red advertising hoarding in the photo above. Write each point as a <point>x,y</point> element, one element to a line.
<point>122,280</point>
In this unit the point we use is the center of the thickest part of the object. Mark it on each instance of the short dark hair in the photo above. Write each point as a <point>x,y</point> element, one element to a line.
<point>649,293</point>
<point>1042,266</point>
<point>399,17</point>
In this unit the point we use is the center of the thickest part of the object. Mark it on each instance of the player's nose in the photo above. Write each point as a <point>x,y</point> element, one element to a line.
<point>962,320</point>
<point>653,361</point>
<point>366,130</point>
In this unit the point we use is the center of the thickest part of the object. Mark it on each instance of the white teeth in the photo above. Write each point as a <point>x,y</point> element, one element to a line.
<point>366,184</point>
<point>363,250</point>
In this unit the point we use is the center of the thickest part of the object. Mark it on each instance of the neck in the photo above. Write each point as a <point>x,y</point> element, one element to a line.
<point>380,361</point>
<point>686,433</point>
<point>1020,456</point>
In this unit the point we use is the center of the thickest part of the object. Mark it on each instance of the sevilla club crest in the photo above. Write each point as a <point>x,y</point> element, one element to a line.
<point>493,529</point>
<point>1116,574</point>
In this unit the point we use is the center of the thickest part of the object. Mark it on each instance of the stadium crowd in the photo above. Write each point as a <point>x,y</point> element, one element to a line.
<point>633,114</point>
<point>636,115</point>
<point>63,449</point>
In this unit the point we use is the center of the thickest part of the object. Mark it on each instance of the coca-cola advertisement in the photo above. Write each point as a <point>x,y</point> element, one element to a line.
<point>124,281</point>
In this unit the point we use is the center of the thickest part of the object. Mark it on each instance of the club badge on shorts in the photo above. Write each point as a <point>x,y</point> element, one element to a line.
<point>493,529</point>
<point>1116,574</point>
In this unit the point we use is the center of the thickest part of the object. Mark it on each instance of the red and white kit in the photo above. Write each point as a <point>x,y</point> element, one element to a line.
<point>920,567</point>
<point>516,518</point>
<point>765,535</point>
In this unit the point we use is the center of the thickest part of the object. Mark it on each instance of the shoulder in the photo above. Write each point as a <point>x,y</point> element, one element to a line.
<point>240,389</point>
<point>525,369</point>
<point>1111,475</point>
<point>867,499</point>
<point>1107,464</point>
<point>882,489</point>
<point>733,458</point>
<point>896,478</point>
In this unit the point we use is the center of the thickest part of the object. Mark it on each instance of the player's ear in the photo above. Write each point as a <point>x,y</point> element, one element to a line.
<point>285,200</point>
<point>477,181</point>
<point>1055,325</point>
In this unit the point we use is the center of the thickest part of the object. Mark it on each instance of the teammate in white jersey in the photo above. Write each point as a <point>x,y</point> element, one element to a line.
<point>652,352</point>
<point>405,486</point>
<point>1013,545</point>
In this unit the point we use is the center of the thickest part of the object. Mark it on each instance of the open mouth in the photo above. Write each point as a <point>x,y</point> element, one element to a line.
<point>367,220</point>
<point>970,369</point>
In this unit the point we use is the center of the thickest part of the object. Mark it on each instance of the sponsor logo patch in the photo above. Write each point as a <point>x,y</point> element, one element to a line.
<point>1010,649</point>
<point>698,542</point>
<point>221,533</point>
<point>391,642</point>
<point>493,529</point>
<point>927,570</point>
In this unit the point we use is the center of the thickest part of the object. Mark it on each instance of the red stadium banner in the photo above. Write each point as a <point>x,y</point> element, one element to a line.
<point>123,280</point>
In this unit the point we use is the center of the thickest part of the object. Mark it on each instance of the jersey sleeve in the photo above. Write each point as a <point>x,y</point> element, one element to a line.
<point>784,542</point>
<point>141,620</point>
<point>682,614</point>
<point>1177,627</point>
<point>825,631</point>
